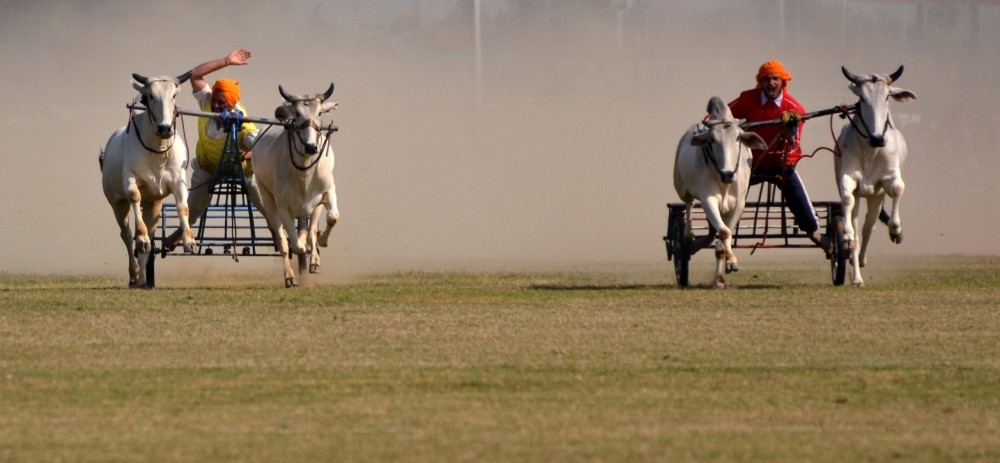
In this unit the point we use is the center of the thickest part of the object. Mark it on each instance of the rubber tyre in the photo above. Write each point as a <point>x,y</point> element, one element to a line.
<point>838,261</point>
<point>681,252</point>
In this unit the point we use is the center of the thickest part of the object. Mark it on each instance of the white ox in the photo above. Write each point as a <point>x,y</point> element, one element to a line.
<point>872,153</point>
<point>143,163</point>
<point>294,170</point>
<point>713,166</point>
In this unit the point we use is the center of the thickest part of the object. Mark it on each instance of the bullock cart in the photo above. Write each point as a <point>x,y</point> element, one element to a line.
<point>231,226</point>
<point>765,223</point>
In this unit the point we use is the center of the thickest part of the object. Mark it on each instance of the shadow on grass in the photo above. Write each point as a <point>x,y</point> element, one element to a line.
<point>595,287</point>
<point>615,287</point>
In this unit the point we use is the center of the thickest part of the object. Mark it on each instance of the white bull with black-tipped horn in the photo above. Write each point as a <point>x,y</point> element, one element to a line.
<point>294,169</point>
<point>143,163</point>
<point>713,166</point>
<point>872,152</point>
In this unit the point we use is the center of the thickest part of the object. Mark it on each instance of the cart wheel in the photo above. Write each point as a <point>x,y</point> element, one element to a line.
<point>151,269</point>
<point>838,261</point>
<point>680,250</point>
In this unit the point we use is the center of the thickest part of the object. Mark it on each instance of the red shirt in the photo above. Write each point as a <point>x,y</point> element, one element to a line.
<point>748,106</point>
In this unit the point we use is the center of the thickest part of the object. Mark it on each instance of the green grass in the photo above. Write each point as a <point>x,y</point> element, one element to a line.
<point>585,366</point>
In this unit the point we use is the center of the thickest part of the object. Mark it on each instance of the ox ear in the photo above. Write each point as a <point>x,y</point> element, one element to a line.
<point>284,113</point>
<point>700,140</point>
<point>753,141</point>
<point>183,77</point>
<point>902,96</point>
<point>327,107</point>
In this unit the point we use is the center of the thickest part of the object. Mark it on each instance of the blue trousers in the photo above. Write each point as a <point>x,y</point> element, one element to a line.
<point>792,191</point>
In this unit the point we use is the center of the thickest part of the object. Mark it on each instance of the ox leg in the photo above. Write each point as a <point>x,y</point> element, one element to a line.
<point>732,264</point>
<point>328,203</point>
<point>293,244</point>
<point>723,248</point>
<point>143,246</point>
<point>849,204</point>
<point>288,235</point>
<point>275,221</point>
<point>184,214</point>
<point>332,216</point>
<point>871,218</point>
<point>285,233</point>
<point>895,191</point>
<point>122,211</point>
<point>688,233</point>
<point>312,244</point>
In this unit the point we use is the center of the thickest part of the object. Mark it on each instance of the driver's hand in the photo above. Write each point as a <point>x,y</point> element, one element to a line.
<point>790,117</point>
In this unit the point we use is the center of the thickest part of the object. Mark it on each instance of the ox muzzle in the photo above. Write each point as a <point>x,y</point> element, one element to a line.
<point>165,130</point>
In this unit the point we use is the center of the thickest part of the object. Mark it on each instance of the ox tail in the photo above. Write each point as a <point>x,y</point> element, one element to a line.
<point>883,216</point>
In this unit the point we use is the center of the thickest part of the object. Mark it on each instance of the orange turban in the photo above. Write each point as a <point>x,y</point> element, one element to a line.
<point>773,67</point>
<point>229,89</point>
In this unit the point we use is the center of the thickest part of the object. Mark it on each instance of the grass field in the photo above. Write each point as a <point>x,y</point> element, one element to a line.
<point>541,367</point>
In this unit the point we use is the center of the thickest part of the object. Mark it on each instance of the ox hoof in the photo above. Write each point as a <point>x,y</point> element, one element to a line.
<point>313,268</point>
<point>733,267</point>
<point>291,282</point>
<point>897,238</point>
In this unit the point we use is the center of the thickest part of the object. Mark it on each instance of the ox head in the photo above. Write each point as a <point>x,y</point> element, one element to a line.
<point>159,96</point>
<point>724,139</point>
<point>874,91</point>
<point>303,114</point>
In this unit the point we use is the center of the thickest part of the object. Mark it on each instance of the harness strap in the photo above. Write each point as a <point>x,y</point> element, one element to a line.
<point>292,150</point>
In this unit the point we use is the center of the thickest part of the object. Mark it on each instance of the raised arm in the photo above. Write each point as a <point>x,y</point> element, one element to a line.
<point>234,58</point>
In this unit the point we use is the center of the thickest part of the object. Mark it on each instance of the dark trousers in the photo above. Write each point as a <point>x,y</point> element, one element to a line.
<point>792,191</point>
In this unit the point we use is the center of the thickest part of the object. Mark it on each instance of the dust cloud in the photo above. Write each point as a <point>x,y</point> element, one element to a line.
<point>559,152</point>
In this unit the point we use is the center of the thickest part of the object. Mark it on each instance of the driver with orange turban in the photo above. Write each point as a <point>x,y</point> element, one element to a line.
<point>221,96</point>
<point>770,100</point>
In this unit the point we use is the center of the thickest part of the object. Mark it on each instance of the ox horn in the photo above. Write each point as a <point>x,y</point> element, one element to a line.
<point>141,79</point>
<point>851,76</point>
<point>184,77</point>
<point>285,95</point>
<point>328,92</point>
<point>895,75</point>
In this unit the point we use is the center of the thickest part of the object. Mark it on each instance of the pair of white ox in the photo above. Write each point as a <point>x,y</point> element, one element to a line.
<point>145,161</point>
<point>713,166</point>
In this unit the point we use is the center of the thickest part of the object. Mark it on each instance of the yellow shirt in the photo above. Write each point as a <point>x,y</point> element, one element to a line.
<point>211,141</point>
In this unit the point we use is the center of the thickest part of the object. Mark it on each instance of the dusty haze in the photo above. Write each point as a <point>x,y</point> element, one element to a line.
<point>563,158</point>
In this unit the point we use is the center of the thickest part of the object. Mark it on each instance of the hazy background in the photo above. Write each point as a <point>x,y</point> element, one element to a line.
<point>559,152</point>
